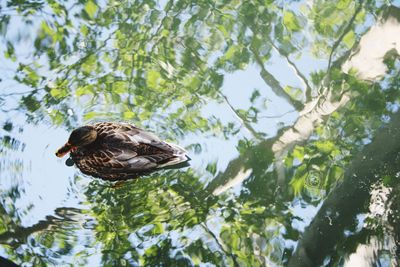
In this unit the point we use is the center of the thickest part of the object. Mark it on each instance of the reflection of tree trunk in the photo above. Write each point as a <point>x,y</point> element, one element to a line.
<point>394,218</point>
<point>312,115</point>
<point>365,254</point>
<point>348,199</point>
<point>381,235</point>
<point>259,156</point>
<point>231,171</point>
<point>7,263</point>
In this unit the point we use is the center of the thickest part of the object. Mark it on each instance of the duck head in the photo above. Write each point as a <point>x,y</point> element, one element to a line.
<point>79,137</point>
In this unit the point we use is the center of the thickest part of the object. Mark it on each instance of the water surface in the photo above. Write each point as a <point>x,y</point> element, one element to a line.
<point>288,109</point>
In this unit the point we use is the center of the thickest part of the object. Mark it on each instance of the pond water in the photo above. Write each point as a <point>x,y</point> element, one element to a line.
<point>288,110</point>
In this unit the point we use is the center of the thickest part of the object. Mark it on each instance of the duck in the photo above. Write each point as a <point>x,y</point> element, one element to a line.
<point>119,151</point>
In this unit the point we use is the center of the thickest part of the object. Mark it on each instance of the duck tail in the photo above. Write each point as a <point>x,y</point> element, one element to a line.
<point>178,150</point>
<point>175,163</point>
<point>180,158</point>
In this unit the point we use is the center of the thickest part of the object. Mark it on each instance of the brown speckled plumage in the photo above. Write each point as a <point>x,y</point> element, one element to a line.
<point>122,151</point>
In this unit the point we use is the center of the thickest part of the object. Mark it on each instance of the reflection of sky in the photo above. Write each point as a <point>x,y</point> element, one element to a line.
<point>47,182</point>
<point>43,182</point>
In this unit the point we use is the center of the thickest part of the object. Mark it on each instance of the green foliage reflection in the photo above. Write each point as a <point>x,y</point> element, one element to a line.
<point>162,65</point>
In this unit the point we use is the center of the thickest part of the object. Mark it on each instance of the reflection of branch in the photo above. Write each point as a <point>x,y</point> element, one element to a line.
<point>276,116</point>
<point>274,83</point>
<point>348,199</point>
<point>241,167</point>
<point>82,60</point>
<point>20,93</point>
<point>345,31</point>
<point>19,234</point>
<point>8,110</point>
<point>231,171</point>
<point>221,246</point>
<point>297,71</point>
<point>244,121</point>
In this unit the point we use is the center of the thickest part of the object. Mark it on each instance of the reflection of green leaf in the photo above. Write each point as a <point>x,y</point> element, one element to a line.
<point>388,180</point>
<point>290,21</point>
<point>157,229</point>
<point>223,30</point>
<point>89,64</point>
<point>294,92</point>
<point>119,87</point>
<point>127,115</point>
<point>298,183</point>
<point>90,115</point>
<point>349,39</point>
<point>212,168</point>
<point>58,93</point>
<point>47,29</point>
<point>298,153</point>
<point>56,117</point>
<point>115,98</point>
<point>154,16</point>
<point>8,126</point>
<point>231,51</point>
<point>31,103</point>
<point>10,52</point>
<point>288,161</point>
<point>84,90</point>
<point>335,173</point>
<point>360,16</point>
<point>91,9</point>
<point>325,146</point>
<point>342,4</point>
<point>254,95</point>
<point>153,78</point>
<point>84,30</point>
<point>47,240</point>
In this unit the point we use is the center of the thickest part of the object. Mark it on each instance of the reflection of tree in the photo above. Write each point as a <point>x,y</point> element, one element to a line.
<point>320,153</point>
<point>136,61</point>
<point>146,56</point>
<point>146,217</point>
<point>379,158</point>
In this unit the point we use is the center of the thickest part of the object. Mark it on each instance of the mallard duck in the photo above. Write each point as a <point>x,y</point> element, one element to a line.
<point>119,151</point>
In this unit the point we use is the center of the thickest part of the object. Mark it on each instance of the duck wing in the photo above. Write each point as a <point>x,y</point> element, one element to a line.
<point>163,153</point>
<point>117,160</point>
<point>130,137</point>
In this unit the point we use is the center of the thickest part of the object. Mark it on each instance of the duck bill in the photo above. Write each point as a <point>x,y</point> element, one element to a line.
<point>65,149</point>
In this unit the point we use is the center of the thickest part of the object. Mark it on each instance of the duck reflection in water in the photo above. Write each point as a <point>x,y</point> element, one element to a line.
<point>119,151</point>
